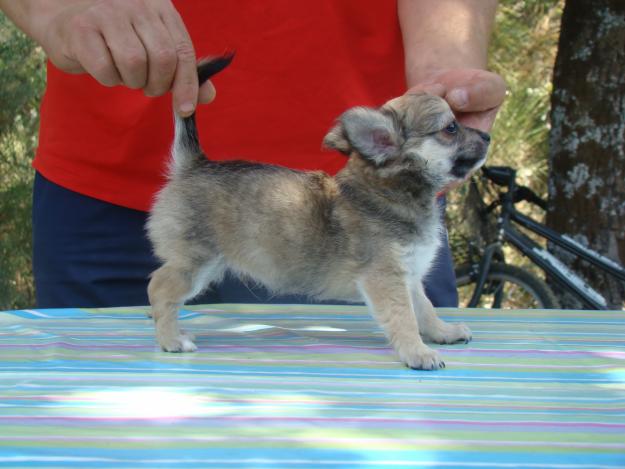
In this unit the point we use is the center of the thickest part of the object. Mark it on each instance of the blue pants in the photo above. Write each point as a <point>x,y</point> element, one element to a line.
<point>89,253</point>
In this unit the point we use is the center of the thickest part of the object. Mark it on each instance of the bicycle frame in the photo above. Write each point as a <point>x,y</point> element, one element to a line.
<point>560,273</point>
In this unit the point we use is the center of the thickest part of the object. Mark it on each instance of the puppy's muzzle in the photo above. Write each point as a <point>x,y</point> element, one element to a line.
<point>464,165</point>
<point>483,135</point>
<point>472,157</point>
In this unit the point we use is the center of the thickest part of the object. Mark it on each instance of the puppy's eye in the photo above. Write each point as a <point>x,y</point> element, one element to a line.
<point>452,128</point>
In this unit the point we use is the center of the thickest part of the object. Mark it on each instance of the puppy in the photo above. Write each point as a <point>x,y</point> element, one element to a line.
<point>370,233</point>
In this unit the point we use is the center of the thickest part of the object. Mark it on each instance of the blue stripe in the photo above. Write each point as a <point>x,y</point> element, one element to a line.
<point>317,456</point>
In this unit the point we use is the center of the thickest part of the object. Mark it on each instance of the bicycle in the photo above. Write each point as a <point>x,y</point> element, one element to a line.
<point>494,283</point>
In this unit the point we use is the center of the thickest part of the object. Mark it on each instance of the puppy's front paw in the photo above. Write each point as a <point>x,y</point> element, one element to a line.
<point>177,343</point>
<point>421,357</point>
<point>448,333</point>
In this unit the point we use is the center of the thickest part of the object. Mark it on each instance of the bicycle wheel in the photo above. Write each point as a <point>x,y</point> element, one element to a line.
<point>507,287</point>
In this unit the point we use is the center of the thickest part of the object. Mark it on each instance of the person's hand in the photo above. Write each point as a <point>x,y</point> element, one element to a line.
<point>474,95</point>
<point>141,44</point>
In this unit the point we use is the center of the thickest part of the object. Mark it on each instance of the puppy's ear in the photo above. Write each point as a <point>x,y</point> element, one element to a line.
<point>337,140</point>
<point>373,134</point>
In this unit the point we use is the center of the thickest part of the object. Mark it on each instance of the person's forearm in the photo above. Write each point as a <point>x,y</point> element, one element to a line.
<point>444,34</point>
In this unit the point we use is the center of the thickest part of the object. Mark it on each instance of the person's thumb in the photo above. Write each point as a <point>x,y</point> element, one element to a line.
<point>482,92</point>
<point>207,93</point>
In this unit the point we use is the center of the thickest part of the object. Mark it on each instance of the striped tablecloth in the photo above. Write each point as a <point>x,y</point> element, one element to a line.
<point>309,386</point>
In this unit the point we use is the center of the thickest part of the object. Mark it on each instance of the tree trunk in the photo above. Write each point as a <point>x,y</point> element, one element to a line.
<point>587,139</point>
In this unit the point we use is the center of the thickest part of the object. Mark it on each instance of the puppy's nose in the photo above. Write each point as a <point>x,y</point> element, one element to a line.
<point>484,136</point>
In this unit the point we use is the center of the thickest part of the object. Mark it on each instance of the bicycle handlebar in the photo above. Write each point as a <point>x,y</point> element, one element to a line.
<point>525,193</point>
<point>500,175</point>
<point>505,176</point>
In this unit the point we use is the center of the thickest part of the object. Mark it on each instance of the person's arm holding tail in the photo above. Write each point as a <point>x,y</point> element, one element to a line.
<point>141,44</point>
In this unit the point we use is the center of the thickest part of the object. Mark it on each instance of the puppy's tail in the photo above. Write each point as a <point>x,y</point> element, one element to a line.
<point>186,148</point>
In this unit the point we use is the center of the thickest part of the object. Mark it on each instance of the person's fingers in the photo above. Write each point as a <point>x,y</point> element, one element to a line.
<point>161,53</point>
<point>127,50</point>
<point>185,85</point>
<point>480,92</point>
<point>92,55</point>
<point>483,120</point>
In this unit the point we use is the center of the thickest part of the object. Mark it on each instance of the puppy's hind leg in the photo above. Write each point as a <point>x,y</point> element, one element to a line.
<point>170,286</point>
<point>433,329</point>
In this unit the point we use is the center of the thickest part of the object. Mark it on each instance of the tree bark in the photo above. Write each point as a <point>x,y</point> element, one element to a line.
<point>587,139</point>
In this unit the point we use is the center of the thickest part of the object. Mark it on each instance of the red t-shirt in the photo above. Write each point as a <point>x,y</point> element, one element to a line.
<point>298,66</point>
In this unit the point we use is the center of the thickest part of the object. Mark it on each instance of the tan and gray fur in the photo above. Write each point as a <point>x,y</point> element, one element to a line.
<point>369,233</point>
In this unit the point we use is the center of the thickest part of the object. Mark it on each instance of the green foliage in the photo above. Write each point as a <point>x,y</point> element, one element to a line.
<point>523,51</point>
<point>22,80</point>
